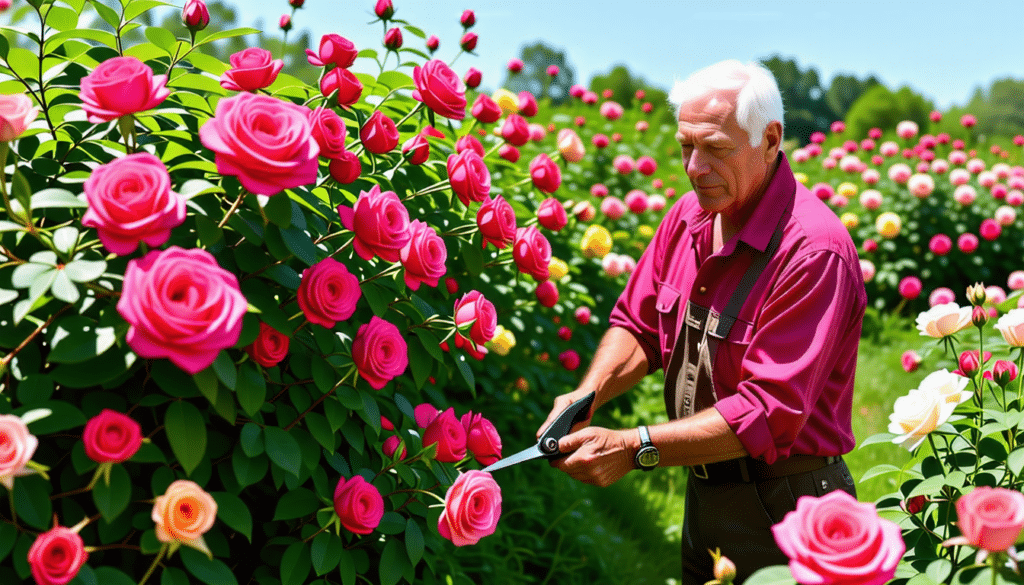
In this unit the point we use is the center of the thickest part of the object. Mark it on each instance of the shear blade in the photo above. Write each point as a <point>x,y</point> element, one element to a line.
<point>527,454</point>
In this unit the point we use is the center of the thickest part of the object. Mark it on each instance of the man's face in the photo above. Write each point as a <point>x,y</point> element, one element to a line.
<point>726,172</point>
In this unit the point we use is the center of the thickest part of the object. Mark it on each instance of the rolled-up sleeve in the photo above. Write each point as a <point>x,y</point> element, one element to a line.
<point>803,326</point>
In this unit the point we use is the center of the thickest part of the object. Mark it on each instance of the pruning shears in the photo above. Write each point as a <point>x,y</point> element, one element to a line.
<point>547,445</point>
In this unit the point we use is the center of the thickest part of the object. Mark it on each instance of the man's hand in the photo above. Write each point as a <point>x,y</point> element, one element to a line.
<point>597,455</point>
<point>561,403</point>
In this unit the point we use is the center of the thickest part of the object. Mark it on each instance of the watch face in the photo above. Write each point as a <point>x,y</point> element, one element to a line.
<point>648,457</point>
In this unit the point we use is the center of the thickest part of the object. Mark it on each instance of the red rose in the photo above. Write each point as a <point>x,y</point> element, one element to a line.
<point>346,168</point>
<point>130,200</point>
<point>380,222</point>
<point>328,293</point>
<point>509,153</point>
<point>440,89</point>
<point>270,346</point>
<point>343,81</point>
<point>121,86</point>
<point>329,132</point>
<point>547,293</point>
<point>268,143</point>
<point>469,141</point>
<point>485,110</point>
<point>251,69</point>
<point>393,39</point>
<point>334,49</point>
<point>379,352</point>
<point>56,556</point>
<point>424,256</point>
<point>552,215</point>
<point>477,314</point>
<point>472,78</point>
<point>358,504</point>
<point>472,508</point>
<point>452,285</point>
<point>111,437</point>
<point>468,41</point>
<point>569,359</point>
<point>515,130</point>
<point>527,104</point>
<point>449,435</point>
<point>497,222</point>
<point>482,438</point>
<point>532,252</point>
<point>469,176</point>
<point>379,134</point>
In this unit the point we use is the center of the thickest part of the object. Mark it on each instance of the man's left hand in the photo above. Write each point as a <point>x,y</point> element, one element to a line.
<point>597,455</point>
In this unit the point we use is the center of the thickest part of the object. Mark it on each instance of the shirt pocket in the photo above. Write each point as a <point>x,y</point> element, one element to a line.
<point>731,352</point>
<point>667,305</point>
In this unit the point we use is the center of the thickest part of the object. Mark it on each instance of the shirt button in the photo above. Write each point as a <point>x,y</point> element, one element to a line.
<point>703,290</point>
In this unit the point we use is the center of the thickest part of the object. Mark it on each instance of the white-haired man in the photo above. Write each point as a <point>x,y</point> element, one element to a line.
<point>751,299</point>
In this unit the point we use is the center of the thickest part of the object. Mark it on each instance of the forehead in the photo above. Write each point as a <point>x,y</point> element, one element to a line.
<point>708,113</point>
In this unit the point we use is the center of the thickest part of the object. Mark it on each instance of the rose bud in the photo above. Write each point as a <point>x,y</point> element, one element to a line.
<point>497,222</point>
<point>515,130</point>
<point>450,436</point>
<point>565,333</point>
<point>979,316</point>
<point>390,446</point>
<point>469,142</point>
<point>968,363</point>
<point>474,317</point>
<point>433,43</point>
<point>1004,372</point>
<point>482,438</point>
<point>472,79</point>
<point>251,69</point>
<point>393,39</point>
<point>515,65</point>
<point>915,504</point>
<point>553,70</point>
<point>527,104</point>
<point>358,505</point>
<point>345,169</point>
<point>469,177</point>
<point>552,215</point>
<point>584,211</point>
<point>348,86</point>
<point>419,146</point>
<point>270,346</point>
<point>329,131</point>
<point>485,109</point>
<point>910,360</point>
<point>569,359</point>
<point>285,23</point>
<point>468,19</point>
<point>976,294</point>
<point>384,9</point>
<point>195,16</point>
<point>547,293</point>
<point>509,153</point>
<point>583,315</point>
<point>546,175</point>
<point>725,570</point>
<point>468,41</point>
<point>451,284</point>
<point>379,134</point>
<point>334,49</point>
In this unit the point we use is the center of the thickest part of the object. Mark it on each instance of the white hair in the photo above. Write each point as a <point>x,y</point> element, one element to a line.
<point>757,104</point>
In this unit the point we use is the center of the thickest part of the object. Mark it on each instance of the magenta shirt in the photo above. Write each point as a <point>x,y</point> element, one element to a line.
<point>784,375</point>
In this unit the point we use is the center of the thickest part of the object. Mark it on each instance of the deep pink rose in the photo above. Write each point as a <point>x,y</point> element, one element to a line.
<point>468,41</point>
<point>485,110</point>
<point>476,317</point>
<point>195,15</point>
<point>547,293</point>
<point>379,352</point>
<point>423,257</point>
<point>393,39</point>
<point>390,447</point>
<point>910,287</point>
<point>380,223</point>
<point>472,508</point>
<point>497,222</point>
<point>910,360</point>
<point>646,165</point>
<point>583,315</point>
<point>384,9</point>
<point>527,104</point>
<point>515,65</point>
<point>111,437</point>
<point>509,153</point>
<point>515,130</point>
<point>450,436</point>
<point>433,43</point>
<point>482,438</point>
<point>418,147</point>
<point>268,143</point>
<point>121,86</point>
<point>343,81</point>
<point>473,78</point>
<point>637,201</point>
<point>532,252</point>
<point>16,113</point>
<point>379,134</point>
<point>425,414</point>
<point>328,293</point>
<point>968,243</point>
<point>469,176</point>
<point>56,556</point>
<point>546,175</point>
<point>329,132</point>
<point>612,110</point>
<point>359,505</point>
<point>940,244</point>
<point>552,215</point>
<point>990,229</point>
<point>346,168</point>
<point>130,201</point>
<point>180,304</point>
<point>569,359</point>
<point>468,19</point>
<point>334,49</point>
<point>835,539</point>
<point>440,88</point>
<point>990,518</point>
<point>470,142</point>
<point>285,22</point>
<point>269,347</point>
<point>251,69</point>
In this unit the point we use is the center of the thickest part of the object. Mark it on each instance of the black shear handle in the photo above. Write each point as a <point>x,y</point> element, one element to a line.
<point>574,413</point>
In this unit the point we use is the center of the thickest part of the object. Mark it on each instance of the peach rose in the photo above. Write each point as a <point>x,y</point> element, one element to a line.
<point>184,514</point>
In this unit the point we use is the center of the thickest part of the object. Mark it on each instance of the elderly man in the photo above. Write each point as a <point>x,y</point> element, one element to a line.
<point>750,298</point>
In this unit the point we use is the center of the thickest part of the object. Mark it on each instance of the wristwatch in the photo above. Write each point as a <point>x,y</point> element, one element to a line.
<point>647,457</point>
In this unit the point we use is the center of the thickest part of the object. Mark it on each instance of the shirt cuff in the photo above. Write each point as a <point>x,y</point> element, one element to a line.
<point>750,424</point>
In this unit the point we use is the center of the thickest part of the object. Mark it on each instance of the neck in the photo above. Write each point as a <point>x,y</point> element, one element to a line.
<point>731,223</point>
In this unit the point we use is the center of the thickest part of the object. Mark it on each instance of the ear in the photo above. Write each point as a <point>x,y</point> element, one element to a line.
<point>772,140</point>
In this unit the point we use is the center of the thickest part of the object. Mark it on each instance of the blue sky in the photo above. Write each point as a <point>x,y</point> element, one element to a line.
<point>943,49</point>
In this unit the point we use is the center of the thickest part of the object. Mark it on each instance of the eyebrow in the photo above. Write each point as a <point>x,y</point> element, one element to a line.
<point>715,139</point>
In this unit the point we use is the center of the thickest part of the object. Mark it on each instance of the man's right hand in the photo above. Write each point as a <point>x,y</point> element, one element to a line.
<point>561,403</point>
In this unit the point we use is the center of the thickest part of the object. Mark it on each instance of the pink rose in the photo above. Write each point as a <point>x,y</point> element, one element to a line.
<point>384,9</point>
<point>379,352</point>
<point>547,293</point>
<point>16,113</point>
<point>195,15</point>
<point>449,435</point>
<point>910,360</point>
<point>425,414</point>
<point>611,110</point>
<point>990,229</point>
<point>334,49</point>
<point>419,146</point>
<point>468,41</point>
<point>476,317</point>
<point>469,142</point>
<point>121,86</point>
<point>646,165</point>
<point>469,176</point>
<point>515,65</point>
<point>485,109</point>
<point>130,200</point>
<point>440,89</point>
<point>379,134</point>
<point>551,214</point>
<point>532,252</point>
<point>111,437</point>
<point>343,81</point>
<point>472,508</point>
<point>967,243</point>
<point>393,39</point>
<point>497,222</point>
<point>624,164</point>
<point>546,175</point>
<point>423,256</point>
<point>268,143</point>
<point>251,69</point>
<point>910,287</point>
<point>836,539</point>
<point>328,293</point>
<point>468,19</point>
<point>527,104</point>
<point>637,201</point>
<point>346,168</point>
<point>515,130</point>
<point>380,223</point>
<point>482,438</point>
<point>358,504</point>
<point>600,141</point>
<point>180,304</point>
<point>56,556</point>
<point>990,518</point>
<point>940,244</point>
<point>509,153</point>
<point>329,131</point>
<point>472,78</point>
<point>269,347</point>
<point>583,315</point>
<point>17,446</point>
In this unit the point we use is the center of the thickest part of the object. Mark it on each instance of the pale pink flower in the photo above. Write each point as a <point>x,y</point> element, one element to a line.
<point>900,173</point>
<point>1015,182</point>
<point>940,244</point>
<point>959,177</point>
<point>624,164</point>
<point>889,148</point>
<point>994,295</point>
<point>986,179</point>
<point>965,194</point>
<point>838,201</point>
<point>801,156</point>
<point>613,207</point>
<point>1016,280</point>
<point>910,360</point>
<point>975,165</point>
<point>836,152</point>
<point>939,166</point>
<point>613,264</point>
<point>998,191</point>
<point>611,110</point>
<point>828,163</point>
<point>867,144</point>
<point>867,269</point>
<point>906,129</point>
<point>870,199</point>
<point>849,164</point>
<point>870,176</point>
<point>1015,198</point>
<point>1005,215</point>
<point>656,202</point>
<point>813,149</point>
<point>957,157</point>
<point>941,296</point>
<point>921,185</point>
<point>1002,170</point>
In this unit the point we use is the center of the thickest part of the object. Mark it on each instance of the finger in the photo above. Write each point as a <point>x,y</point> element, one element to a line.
<point>561,403</point>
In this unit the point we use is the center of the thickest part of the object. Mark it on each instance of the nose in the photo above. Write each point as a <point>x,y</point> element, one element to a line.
<point>697,165</point>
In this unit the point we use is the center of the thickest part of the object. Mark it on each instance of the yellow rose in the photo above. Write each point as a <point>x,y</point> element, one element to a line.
<point>849,220</point>
<point>507,101</point>
<point>646,231</point>
<point>802,177</point>
<point>848,190</point>
<point>558,269</point>
<point>888,225</point>
<point>183,514</point>
<point>597,242</point>
<point>503,341</point>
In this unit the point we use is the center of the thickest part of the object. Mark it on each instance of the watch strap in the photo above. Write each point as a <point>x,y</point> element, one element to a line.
<point>645,436</point>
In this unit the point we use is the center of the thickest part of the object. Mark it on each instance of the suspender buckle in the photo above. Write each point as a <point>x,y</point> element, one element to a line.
<point>698,470</point>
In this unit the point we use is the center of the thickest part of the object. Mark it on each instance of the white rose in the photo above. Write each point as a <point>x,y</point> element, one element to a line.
<point>917,414</point>
<point>942,320</point>
<point>948,385</point>
<point>1011,325</point>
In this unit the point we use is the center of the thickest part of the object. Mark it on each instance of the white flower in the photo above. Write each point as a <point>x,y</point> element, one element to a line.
<point>943,320</point>
<point>948,385</point>
<point>915,415</point>
<point>1011,325</point>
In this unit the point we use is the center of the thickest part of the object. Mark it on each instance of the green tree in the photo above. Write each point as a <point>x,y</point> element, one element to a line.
<point>880,107</point>
<point>806,110</point>
<point>844,91</point>
<point>624,85</point>
<point>534,77</point>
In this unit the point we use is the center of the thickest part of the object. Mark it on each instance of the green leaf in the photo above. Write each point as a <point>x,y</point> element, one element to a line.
<point>173,576</point>
<point>939,569</point>
<point>377,297</point>
<point>113,499</point>
<point>57,198</point>
<point>107,14</point>
<point>413,542</point>
<point>321,430</point>
<point>473,258</point>
<point>63,416</point>
<point>248,470</point>
<point>1016,461</point>
<point>393,562</point>
<point>92,372</point>
<point>186,432</point>
<point>76,339</point>
<point>225,369</point>
<point>251,388</point>
<point>63,289</point>
<point>283,449</point>
<point>883,469</point>
<point>251,439</point>
<point>25,274</point>
<point>467,373</point>
<point>325,553</point>
<point>392,523</point>
<point>225,34</point>
<point>111,576</point>
<point>85,270</point>
<point>35,388</point>
<point>206,381</point>
<point>62,19</point>
<point>296,503</point>
<point>232,511</point>
<point>279,211</point>
<point>774,575</point>
<point>300,244</point>
<point>929,487</point>
<point>394,79</point>
<point>878,438</point>
<point>135,8</point>
<point>32,501</point>
<point>209,233</point>
<point>295,564</point>
<point>65,238</point>
<point>420,363</point>
<point>209,571</point>
<point>9,534</point>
